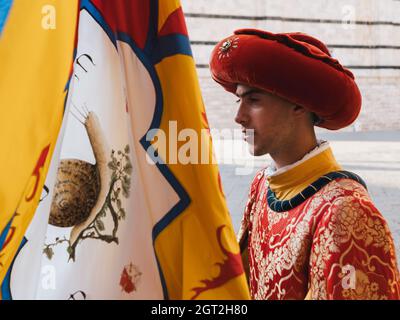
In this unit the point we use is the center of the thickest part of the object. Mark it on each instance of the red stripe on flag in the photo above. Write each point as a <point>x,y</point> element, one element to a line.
<point>175,24</point>
<point>128,16</point>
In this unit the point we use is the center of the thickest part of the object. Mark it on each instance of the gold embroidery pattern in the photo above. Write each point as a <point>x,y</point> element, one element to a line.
<point>280,245</point>
<point>364,289</point>
<point>289,249</point>
<point>248,214</point>
<point>353,227</point>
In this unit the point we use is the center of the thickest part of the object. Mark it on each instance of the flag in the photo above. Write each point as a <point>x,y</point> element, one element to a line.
<point>134,213</point>
<point>36,56</point>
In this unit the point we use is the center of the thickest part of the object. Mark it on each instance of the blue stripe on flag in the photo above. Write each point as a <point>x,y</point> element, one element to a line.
<point>6,285</point>
<point>5,6</point>
<point>4,233</point>
<point>171,45</point>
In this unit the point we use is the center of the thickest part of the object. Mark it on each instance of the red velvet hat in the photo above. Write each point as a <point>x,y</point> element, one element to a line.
<point>294,66</point>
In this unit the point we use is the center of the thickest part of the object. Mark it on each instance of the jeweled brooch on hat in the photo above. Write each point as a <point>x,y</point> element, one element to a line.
<point>227,46</point>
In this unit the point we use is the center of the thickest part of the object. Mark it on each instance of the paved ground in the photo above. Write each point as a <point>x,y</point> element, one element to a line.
<point>373,156</point>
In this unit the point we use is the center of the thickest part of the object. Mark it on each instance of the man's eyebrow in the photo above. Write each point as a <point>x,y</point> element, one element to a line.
<point>246,93</point>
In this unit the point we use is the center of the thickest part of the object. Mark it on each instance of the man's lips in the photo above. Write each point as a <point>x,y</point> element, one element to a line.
<point>248,134</point>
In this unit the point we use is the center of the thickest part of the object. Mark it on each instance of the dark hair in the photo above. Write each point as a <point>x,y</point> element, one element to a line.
<point>315,119</point>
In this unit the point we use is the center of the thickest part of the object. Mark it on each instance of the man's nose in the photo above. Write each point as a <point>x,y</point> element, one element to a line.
<point>241,116</point>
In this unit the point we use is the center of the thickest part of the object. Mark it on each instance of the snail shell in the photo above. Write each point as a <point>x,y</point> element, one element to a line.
<point>81,188</point>
<point>75,193</point>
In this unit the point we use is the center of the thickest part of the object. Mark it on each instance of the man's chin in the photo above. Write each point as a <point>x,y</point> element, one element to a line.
<point>256,152</point>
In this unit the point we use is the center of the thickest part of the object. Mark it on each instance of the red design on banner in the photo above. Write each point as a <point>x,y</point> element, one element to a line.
<point>129,278</point>
<point>36,172</point>
<point>175,24</point>
<point>126,282</point>
<point>9,238</point>
<point>118,15</point>
<point>230,268</point>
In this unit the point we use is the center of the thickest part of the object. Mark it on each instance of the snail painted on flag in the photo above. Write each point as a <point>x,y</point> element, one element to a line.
<point>121,224</point>
<point>96,225</point>
<point>86,194</point>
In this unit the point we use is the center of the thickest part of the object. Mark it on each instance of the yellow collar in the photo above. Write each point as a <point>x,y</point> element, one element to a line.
<point>292,179</point>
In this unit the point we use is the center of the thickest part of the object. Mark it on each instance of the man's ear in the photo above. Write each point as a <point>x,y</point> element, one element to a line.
<point>299,111</point>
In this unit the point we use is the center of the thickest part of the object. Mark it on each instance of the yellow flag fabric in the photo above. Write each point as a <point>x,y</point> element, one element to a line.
<point>203,235</point>
<point>168,234</point>
<point>36,55</point>
<point>197,251</point>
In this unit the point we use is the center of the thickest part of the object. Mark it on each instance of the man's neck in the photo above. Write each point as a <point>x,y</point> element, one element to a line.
<point>292,152</point>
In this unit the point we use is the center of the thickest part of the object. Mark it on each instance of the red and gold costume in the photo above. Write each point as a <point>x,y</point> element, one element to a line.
<point>310,230</point>
<point>334,245</point>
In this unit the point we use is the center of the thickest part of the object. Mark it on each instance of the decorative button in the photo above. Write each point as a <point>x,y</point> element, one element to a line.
<point>227,46</point>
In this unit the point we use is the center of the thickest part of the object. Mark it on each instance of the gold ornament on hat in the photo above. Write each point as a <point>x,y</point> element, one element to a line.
<point>227,46</point>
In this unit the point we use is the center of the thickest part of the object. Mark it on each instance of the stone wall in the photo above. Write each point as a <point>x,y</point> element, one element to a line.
<point>363,35</point>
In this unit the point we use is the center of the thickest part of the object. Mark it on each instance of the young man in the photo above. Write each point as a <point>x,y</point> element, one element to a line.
<point>310,229</point>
